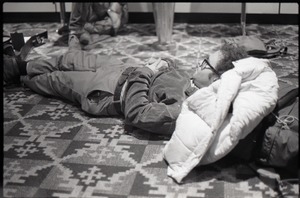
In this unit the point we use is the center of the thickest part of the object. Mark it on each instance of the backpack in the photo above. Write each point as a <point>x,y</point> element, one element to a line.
<point>271,149</point>
<point>274,142</point>
<point>279,146</point>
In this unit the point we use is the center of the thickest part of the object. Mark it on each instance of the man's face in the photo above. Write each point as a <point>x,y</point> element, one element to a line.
<point>203,77</point>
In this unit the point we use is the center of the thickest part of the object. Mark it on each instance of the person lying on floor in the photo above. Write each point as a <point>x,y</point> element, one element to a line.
<point>215,118</point>
<point>97,18</point>
<point>149,97</point>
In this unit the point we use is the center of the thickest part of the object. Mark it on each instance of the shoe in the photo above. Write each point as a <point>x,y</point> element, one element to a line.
<point>11,73</point>
<point>74,42</point>
<point>63,30</point>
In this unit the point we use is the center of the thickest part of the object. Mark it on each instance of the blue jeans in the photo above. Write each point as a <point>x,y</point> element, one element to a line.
<point>76,75</point>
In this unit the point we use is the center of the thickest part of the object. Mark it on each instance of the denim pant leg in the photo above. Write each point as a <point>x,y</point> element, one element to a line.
<point>66,85</point>
<point>143,113</point>
<point>86,12</point>
<point>42,66</point>
<point>71,86</point>
<point>68,77</point>
<point>72,60</point>
<point>80,14</point>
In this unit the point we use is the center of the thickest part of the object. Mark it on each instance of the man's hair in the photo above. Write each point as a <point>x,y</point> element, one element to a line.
<point>231,52</point>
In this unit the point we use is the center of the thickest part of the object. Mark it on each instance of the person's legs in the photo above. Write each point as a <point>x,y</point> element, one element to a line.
<point>100,10</point>
<point>114,14</point>
<point>99,27</point>
<point>14,68</point>
<point>72,86</point>
<point>69,77</point>
<point>72,60</point>
<point>44,76</point>
<point>66,85</point>
<point>97,18</point>
<point>80,14</point>
<point>83,17</point>
<point>118,13</point>
<point>110,17</point>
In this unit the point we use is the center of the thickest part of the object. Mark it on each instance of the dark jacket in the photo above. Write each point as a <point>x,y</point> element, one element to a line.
<point>153,103</point>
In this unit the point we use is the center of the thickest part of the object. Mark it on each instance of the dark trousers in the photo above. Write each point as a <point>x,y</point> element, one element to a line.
<point>74,76</point>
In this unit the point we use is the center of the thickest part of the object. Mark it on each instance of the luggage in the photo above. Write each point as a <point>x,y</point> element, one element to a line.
<point>280,144</point>
<point>274,142</point>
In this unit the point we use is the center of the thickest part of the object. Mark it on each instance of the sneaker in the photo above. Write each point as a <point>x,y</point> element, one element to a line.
<point>63,30</point>
<point>74,42</point>
<point>11,73</point>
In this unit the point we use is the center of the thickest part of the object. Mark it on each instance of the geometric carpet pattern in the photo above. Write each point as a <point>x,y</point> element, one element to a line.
<point>53,149</point>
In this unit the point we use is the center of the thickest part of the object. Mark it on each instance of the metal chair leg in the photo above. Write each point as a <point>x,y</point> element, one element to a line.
<point>243,19</point>
<point>64,29</point>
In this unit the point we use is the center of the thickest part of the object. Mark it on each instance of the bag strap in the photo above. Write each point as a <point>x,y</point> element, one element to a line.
<point>286,119</point>
<point>287,99</point>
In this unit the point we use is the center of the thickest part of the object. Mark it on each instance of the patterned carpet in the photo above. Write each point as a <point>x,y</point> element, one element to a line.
<point>53,149</point>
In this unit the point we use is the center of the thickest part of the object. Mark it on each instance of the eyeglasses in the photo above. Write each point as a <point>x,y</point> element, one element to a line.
<point>206,65</point>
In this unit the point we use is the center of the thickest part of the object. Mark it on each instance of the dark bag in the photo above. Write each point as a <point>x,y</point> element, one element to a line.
<point>273,142</point>
<point>271,149</point>
<point>280,145</point>
<point>257,48</point>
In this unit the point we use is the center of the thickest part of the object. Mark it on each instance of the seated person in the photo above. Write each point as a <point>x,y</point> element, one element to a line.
<point>149,97</point>
<point>97,18</point>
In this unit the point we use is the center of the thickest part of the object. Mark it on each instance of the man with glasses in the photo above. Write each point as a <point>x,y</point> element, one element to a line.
<point>218,62</point>
<point>149,97</point>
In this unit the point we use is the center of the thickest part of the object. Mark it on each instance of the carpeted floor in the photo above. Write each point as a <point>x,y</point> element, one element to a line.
<point>53,149</point>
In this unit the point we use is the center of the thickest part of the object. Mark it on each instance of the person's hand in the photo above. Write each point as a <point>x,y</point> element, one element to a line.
<point>157,65</point>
